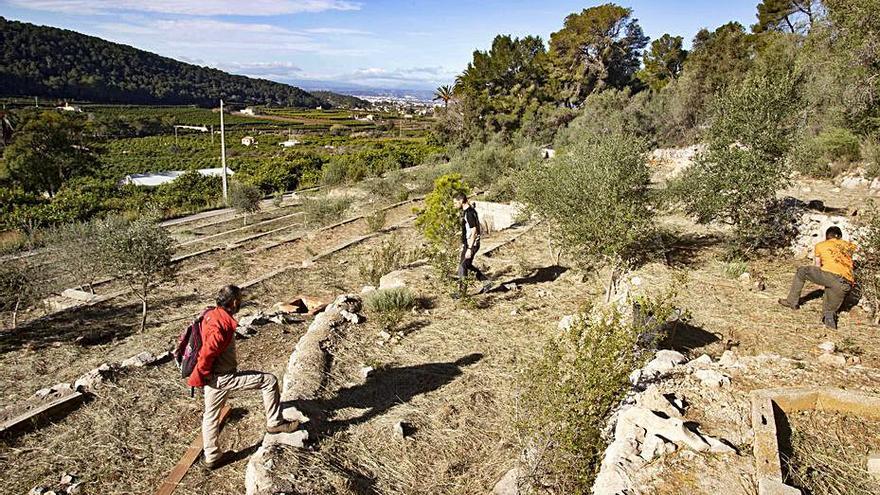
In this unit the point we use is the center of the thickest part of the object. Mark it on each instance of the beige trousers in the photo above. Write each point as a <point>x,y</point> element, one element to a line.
<point>218,389</point>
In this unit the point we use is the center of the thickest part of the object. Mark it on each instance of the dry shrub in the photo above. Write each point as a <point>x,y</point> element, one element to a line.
<point>323,211</point>
<point>376,220</point>
<point>389,256</point>
<point>389,306</point>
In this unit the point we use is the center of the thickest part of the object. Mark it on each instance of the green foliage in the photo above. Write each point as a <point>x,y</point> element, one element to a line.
<point>814,156</point>
<point>868,268</point>
<point>79,248</point>
<point>494,165</point>
<point>735,268</point>
<point>47,151</point>
<point>609,112</point>
<point>140,253</point>
<point>581,377</point>
<point>338,130</point>
<point>244,198</point>
<point>736,179</point>
<point>664,62</point>
<point>389,306</point>
<point>598,48</point>
<point>596,199</point>
<point>793,16</point>
<point>88,68</point>
<point>286,172</point>
<point>376,220</point>
<point>190,192</point>
<point>21,288</point>
<point>322,211</point>
<point>440,221</point>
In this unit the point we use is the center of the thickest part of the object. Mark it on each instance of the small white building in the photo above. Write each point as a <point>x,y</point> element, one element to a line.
<point>69,108</point>
<point>290,143</point>
<point>547,153</point>
<point>248,141</point>
<point>248,111</point>
<point>159,178</point>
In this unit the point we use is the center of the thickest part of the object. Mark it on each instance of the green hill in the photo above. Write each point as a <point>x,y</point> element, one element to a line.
<point>58,63</point>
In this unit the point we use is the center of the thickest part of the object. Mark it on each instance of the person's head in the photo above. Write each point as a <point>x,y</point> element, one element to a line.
<point>460,200</point>
<point>833,233</point>
<point>229,298</point>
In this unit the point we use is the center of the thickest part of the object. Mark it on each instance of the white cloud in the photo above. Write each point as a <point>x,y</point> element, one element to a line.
<point>188,7</point>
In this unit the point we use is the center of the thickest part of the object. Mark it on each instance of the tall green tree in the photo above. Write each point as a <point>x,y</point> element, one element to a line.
<point>599,48</point>
<point>795,16</point>
<point>664,62</point>
<point>47,151</point>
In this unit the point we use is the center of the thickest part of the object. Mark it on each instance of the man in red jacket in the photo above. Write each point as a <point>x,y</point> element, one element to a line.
<point>217,372</point>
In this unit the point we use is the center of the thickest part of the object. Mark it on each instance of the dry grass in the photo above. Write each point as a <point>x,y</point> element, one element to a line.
<point>829,453</point>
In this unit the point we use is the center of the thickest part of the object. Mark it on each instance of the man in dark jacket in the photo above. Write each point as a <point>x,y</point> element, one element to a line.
<point>217,372</point>
<point>470,240</point>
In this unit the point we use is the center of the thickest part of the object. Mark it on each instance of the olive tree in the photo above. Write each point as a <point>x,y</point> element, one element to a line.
<point>735,180</point>
<point>78,248</point>
<point>596,199</point>
<point>245,199</point>
<point>868,268</point>
<point>20,288</point>
<point>140,254</point>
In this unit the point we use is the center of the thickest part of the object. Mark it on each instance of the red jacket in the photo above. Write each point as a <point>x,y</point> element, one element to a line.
<point>218,332</point>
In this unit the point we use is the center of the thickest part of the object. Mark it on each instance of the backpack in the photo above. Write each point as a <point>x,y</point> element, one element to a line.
<point>186,354</point>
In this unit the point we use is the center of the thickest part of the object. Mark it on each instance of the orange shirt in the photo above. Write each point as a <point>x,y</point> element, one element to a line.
<point>837,257</point>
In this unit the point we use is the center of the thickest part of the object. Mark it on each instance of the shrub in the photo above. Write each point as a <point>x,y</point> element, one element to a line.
<point>871,152</point>
<point>814,156</point>
<point>79,250</point>
<point>744,165</point>
<point>376,220</point>
<point>838,144</point>
<point>439,223</point>
<point>139,253</point>
<point>735,268</point>
<point>570,392</point>
<point>21,287</point>
<point>278,199</point>
<point>596,197</point>
<point>190,192</point>
<point>245,199</point>
<point>389,306</point>
<point>325,210</point>
<point>390,255</point>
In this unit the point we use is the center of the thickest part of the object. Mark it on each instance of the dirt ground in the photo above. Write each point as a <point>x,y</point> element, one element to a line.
<point>453,377</point>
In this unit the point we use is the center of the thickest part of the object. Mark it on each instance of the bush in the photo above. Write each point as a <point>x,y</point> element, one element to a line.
<point>376,220</point>
<point>389,256</point>
<point>323,211</point>
<point>814,156</point>
<point>736,179</point>
<point>21,288</point>
<point>871,153</point>
<point>188,193</point>
<point>79,249</point>
<point>439,223</point>
<point>245,199</point>
<point>570,392</point>
<point>389,306</point>
<point>597,200</point>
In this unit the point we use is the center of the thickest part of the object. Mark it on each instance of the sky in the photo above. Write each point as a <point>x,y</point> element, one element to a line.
<point>338,43</point>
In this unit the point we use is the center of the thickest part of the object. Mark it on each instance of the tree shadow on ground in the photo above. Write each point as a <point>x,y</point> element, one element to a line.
<point>684,337</point>
<point>540,276</point>
<point>681,249</point>
<point>86,326</point>
<point>384,389</point>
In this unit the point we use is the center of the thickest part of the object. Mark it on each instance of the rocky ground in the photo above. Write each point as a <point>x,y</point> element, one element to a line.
<point>432,409</point>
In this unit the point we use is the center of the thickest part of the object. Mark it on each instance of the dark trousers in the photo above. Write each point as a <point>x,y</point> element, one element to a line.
<point>466,265</point>
<point>836,287</point>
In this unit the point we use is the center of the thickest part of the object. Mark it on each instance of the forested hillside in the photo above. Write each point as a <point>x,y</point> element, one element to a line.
<point>57,63</point>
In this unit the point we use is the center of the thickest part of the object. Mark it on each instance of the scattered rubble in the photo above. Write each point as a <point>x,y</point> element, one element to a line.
<point>827,347</point>
<point>836,360</point>
<point>508,484</point>
<point>712,378</point>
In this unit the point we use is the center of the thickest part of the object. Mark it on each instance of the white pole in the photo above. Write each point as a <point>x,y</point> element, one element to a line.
<point>223,152</point>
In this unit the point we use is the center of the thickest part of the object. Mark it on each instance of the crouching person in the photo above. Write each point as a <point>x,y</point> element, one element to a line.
<point>216,371</point>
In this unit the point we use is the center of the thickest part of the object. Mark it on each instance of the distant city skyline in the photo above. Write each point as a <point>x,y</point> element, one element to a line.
<point>334,44</point>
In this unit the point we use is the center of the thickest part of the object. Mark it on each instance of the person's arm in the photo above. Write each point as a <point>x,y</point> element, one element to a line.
<point>213,344</point>
<point>474,224</point>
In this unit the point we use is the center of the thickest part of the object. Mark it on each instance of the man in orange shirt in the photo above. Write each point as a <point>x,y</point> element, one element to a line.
<point>833,270</point>
<point>217,371</point>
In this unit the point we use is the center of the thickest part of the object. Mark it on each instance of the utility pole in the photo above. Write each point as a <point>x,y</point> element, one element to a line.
<point>223,152</point>
<point>212,134</point>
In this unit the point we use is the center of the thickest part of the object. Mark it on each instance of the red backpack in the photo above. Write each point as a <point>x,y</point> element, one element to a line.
<point>186,354</point>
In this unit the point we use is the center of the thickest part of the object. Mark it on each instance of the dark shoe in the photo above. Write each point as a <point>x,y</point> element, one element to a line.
<point>784,302</point>
<point>224,459</point>
<point>830,321</point>
<point>285,427</point>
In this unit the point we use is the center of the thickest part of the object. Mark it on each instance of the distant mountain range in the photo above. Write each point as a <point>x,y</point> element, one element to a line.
<point>58,63</point>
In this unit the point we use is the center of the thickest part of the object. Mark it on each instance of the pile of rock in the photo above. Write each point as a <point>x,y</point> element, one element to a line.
<point>67,485</point>
<point>811,231</point>
<point>303,379</point>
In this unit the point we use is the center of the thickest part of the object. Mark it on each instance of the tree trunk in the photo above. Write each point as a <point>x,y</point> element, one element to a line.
<point>612,279</point>
<point>144,310</point>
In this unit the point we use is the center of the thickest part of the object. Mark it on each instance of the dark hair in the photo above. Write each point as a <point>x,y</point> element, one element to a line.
<point>833,232</point>
<point>227,295</point>
<point>460,196</point>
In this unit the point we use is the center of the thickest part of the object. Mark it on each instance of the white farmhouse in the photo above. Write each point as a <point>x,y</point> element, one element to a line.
<point>248,111</point>
<point>290,143</point>
<point>248,141</point>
